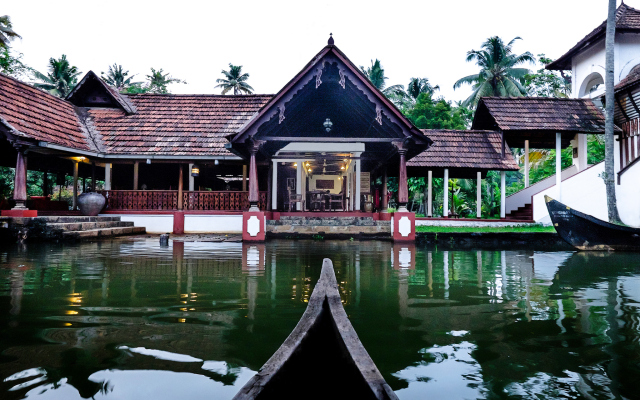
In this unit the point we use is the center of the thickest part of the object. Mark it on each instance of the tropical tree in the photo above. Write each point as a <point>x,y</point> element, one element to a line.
<point>430,113</point>
<point>498,74</point>
<point>234,79</point>
<point>545,83</point>
<point>61,78</point>
<point>7,33</point>
<point>159,81</point>
<point>376,75</point>
<point>612,204</point>
<point>417,86</point>
<point>118,78</point>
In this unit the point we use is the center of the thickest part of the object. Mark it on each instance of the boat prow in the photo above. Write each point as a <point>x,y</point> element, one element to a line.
<point>322,357</point>
<point>585,232</point>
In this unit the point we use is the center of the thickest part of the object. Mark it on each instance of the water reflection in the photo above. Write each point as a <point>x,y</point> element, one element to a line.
<point>197,319</point>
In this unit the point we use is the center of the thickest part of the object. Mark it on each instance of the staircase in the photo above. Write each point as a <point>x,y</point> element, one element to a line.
<point>81,228</point>
<point>524,213</point>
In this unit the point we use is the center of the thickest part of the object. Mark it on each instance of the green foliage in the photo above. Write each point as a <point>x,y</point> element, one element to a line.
<point>61,78</point>
<point>6,182</point>
<point>7,34</point>
<point>428,113</point>
<point>234,80</point>
<point>376,75</point>
<point>157,82</point>
<point>504,229</point>
<point>119,78</point>
<point>545,83</point>
<point>595,149</point>
<point>12,65</point>
<point>498,76</point>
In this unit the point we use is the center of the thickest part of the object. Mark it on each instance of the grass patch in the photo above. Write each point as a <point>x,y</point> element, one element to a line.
<point>473,229</point>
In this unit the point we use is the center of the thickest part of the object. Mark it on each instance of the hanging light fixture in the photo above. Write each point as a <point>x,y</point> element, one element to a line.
<point>195,170</point>
<point>295,165</point>
<point>342,167</point>
<point>327,124</point>
<point>216,162</point>
<point>148,161</point>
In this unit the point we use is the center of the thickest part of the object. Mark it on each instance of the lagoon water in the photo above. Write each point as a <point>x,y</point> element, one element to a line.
<point>127,319</point>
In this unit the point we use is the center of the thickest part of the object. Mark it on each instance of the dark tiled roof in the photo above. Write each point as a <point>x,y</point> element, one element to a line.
<point>465,149</point>
<point>175,124</point>
<point>89,79</point>
<point>630,80</point>
<point>38,115</point>
<point>538,114</point>
<point>627,20</point>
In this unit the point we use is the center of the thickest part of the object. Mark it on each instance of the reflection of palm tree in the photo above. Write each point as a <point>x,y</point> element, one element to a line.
<point>375,73</point>
<point>7,33</point>
<point>61,78</point>
<point>498,75</point>
<point>234,79</point>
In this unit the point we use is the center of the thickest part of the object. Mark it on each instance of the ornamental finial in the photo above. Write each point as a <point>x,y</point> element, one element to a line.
<point>330,42</point>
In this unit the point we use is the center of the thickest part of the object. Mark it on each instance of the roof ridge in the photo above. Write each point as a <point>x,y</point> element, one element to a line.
<point>198,95</point>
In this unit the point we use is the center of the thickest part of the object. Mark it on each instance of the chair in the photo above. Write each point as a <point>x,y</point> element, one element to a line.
<point>317,201</point>
<point>336,199</point>
<point>295,198</point>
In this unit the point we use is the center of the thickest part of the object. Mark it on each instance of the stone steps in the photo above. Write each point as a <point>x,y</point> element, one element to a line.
<point>103,232</point>
<point>85,226</point>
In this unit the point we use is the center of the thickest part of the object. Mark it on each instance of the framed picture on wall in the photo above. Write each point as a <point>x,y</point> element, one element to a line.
<point>325,184</point>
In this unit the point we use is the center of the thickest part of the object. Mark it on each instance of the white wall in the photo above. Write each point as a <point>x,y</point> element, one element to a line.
<point>153,223</point>
<point>194,223</point>
<point>337,182</point>
<point>628,196</point>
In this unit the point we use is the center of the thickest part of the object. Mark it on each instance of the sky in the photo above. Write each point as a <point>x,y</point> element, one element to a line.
<point>273,40</point>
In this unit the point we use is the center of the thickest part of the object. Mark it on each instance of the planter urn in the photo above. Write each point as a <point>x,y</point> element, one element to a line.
<point>91,203</point>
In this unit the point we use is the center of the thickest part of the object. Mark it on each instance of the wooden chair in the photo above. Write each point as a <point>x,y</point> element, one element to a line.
<point>317,201</point>
<point>295,198</point>
<point>335,199</point>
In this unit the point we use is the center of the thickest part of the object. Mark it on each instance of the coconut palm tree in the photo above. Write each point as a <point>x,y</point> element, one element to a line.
<point>234,79</point>
<point>417,86</point>
<point>118,78</point>
<point>375,73</point>
<point>498,74</point>
<point>61,78</point>
<point>6,31</point>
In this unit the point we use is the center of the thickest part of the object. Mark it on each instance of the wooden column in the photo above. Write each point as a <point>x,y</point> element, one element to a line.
<point>74,206</point>
<point>20,181</point>
<point>192,180</point>
<point>445,202</point>
<point>559,166</point>
<point>107,176</point>
<point>479,195</point>
<point>253,178</point>
<point>93,176</point>
<point>430,194</point>
<point>385,197</point>
<point>244,178</point>
<point>526,163</point>
<point>180,187</point>
<point>503,194</point>
<point>403,190</point>
<point>136,166</point>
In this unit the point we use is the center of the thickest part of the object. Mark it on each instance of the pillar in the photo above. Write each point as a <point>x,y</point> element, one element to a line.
<point>299,169</point>
<point>253,180</point>
<point>385,189</point>
<point>430,194</point>
<point>581,143</point>
<point>20,182</point>
<point>526,163</point>
<point>503,195</point>
<point>136,166</point>
<point>479,195</point>
<point>107,176</point>
<point>274,186</point>
<point>192,179</point>
<point>403,190</point>
<point>559,166</point>
<point>445,203</point>
<point>75,186</point>
<point>180,187</point>
<point>358,182</point>
<point>244,177</point>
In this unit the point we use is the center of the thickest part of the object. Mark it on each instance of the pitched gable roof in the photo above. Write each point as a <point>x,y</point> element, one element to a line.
<point>627,20</point>
<point>472,149</point>
<point>32,113</point>
<point>92,90</point>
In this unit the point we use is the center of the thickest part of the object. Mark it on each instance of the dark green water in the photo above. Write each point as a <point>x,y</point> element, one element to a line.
<point>129,320</point>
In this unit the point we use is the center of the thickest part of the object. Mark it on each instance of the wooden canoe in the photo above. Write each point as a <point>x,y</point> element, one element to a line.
<point>322,358</point>
<point>585,232</point>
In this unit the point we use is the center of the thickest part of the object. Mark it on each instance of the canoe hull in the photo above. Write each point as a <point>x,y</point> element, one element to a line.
<point>585,232</point>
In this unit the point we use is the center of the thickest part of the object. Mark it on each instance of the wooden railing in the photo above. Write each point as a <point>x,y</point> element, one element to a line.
<point>629,142</point>
<point>167,200</point>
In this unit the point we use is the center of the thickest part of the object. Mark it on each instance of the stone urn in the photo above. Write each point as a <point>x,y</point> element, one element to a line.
<point>91,203</point>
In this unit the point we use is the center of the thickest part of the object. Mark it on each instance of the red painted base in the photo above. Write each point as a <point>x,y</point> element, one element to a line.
<point>404,227</point>
<point>385,216</point>
<point>178,223</point>
<point>19,213</point>
<point>253,226</point>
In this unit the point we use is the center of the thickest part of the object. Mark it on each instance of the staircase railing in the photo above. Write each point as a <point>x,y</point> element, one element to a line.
<point>523,197</point>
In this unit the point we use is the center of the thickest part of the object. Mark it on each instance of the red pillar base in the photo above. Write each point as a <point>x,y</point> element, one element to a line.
<point>253,226</point>
<point>19,213</point>
<point>403,227</point>
<point>178,223</point>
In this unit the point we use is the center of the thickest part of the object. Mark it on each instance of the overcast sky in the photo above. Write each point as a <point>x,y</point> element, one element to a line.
<point>273,40</point>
